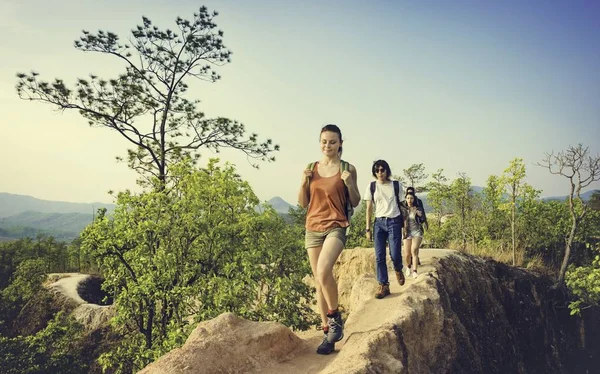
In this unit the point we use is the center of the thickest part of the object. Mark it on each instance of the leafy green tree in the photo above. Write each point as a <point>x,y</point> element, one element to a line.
<point>594,202</point>
<point>298,215</point>
<point>581,169</point>
<point>512,179</point>
<point>584,282</point>
<point>461,203</point>
<point>492,200</point>
<point>195,250</point>
<point>438,195</point>
<point>414,176</point>
<point>147,103</point>
<point>55,349</point>
<point>356,235</point>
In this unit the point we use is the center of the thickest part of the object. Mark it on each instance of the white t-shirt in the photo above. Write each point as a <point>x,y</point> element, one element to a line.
<point>384,199</point>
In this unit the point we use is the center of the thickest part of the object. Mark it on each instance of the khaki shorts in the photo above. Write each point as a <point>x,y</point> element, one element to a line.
<point>316,238</point>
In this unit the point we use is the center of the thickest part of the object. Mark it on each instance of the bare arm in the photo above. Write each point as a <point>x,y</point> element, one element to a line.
<point>304,193</point>
<point>369,213</point>
<point>353,187</point>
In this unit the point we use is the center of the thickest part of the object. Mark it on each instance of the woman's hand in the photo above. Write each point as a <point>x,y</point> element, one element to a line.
<point>306,175</point>
<point>346,177</point>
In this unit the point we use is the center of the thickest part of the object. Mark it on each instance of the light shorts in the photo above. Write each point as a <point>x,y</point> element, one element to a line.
<point>317,238</point>
<point>414,234</point>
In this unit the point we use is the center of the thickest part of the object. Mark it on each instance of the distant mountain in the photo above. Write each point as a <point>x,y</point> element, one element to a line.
<point>585,196</point>
<point>59,225</point>
<point>280,205</point>
<point>13,204</point>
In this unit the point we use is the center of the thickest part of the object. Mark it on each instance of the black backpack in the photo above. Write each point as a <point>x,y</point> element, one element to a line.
<point>396,193</point>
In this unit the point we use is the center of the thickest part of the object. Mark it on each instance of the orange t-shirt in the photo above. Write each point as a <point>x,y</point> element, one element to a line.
<point>327,203</point>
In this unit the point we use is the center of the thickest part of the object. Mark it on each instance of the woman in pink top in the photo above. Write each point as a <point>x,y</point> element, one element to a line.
<point>325,190</point>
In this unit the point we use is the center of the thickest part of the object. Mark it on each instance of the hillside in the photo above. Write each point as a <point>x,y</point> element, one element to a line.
<point>59,225</point>
<point>13,204</point>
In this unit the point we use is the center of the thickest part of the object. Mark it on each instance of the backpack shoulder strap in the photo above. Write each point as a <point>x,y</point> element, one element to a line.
<point>397,195</point>
<point>372,187</point>
<point>344,166</point>
<point>311,166</point>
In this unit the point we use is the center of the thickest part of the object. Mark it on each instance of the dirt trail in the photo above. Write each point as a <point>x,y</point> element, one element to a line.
<point>370,317</point>
<point>67,285</point>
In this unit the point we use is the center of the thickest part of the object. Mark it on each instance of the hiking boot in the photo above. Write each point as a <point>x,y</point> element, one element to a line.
<point>325,347</point>
<point>336,328</point>
<point>400,277</point>
<point>383,291</point>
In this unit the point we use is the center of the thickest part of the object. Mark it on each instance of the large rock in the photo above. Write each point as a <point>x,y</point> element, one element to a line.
<point>462,314</point>
<point>228,344</point>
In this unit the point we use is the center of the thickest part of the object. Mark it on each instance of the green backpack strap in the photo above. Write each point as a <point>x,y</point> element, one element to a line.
<point>311,166</point>
<point>344,166</point>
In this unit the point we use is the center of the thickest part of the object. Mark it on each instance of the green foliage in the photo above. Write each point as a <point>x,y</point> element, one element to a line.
<point>195,249</point>
<point>55,349</point>
<point>584,282</point>
<point>594,202</point>
<point>356,235</point>
<point>414,176</point>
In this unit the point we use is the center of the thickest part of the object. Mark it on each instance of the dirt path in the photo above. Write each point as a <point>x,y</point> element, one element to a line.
<point>371,316</point>
<point>67,285</point>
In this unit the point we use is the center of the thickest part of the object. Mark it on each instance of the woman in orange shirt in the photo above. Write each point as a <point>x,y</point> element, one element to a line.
<point>326,190</point>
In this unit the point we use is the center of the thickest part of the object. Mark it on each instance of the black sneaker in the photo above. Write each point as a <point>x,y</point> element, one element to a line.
<point>325,347</point>
<point>336,327</point>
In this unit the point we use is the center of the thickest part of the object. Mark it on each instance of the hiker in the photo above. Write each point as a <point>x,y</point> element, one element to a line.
<point>419,205</point>
<point>385,194</point>
<point>330,191</point>
<point>414,233</point>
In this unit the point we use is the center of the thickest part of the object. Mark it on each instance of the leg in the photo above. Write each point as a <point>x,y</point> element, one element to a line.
<point>395,240</point>
<point>313,256</point>
<point>332,247</point>
<point>380,240</point>
<point>416,242</point>
<point>408,255</point>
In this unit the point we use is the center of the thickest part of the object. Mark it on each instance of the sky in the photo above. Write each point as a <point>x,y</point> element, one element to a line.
<point>464,86</point>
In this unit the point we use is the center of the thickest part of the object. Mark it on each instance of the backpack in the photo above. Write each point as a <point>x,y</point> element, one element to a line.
<point>348,209</point>
<point>372,187</point>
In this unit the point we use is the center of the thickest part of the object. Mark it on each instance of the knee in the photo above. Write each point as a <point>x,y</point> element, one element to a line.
<point>323,276</point>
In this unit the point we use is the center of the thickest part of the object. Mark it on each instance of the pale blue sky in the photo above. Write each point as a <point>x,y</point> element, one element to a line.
<point>461,85</point>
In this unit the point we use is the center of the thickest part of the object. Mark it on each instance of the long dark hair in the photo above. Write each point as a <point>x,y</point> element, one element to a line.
<point>333,128</point>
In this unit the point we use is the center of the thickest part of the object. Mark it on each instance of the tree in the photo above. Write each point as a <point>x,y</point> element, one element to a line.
<point>438,195</point>
<point>461,203</point>
<point>196,249</point>
<point>584,282</point>
<point>493,198</point>
<point>581,169</point>
<point>414,175</point>
<point>146,104</point>
<point>513,184</point>
<point>594,201</point>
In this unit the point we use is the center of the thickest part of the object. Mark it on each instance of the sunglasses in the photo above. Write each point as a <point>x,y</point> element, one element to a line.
<point>380,170</point>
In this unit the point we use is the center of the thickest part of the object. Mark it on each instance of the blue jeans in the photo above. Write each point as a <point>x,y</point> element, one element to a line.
<point>387,230</point>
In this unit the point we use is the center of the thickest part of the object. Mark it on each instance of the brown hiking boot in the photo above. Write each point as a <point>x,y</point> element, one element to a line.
<point>382,291</point>
<point>400,277</point>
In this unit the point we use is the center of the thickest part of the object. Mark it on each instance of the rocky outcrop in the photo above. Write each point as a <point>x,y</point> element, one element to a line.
<point>462,314</point>
<point>228,344</point>
<point>65,287</point>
